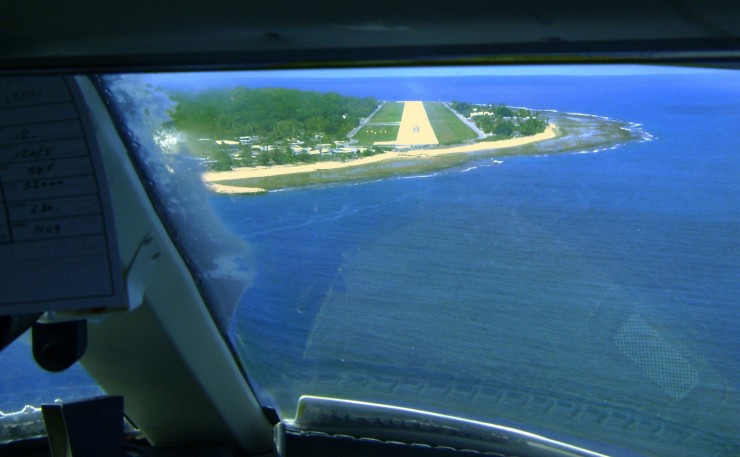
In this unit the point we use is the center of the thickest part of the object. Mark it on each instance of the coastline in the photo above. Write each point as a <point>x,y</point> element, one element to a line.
<point>233,190</point>
<point>214,177</point>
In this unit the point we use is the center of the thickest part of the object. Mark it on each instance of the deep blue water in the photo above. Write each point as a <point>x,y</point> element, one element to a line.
<point>590,297</point>
<point>610,277</point>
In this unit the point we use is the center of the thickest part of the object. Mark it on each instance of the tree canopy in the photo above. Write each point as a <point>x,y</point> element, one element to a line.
<point>501,120</point>
<point>269,113</point>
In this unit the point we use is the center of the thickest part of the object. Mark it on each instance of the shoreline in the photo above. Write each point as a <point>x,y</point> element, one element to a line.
<point>212,178</point>
<point>233,190</point>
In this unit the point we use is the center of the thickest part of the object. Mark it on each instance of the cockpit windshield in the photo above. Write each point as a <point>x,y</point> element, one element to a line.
<point>555,249</point>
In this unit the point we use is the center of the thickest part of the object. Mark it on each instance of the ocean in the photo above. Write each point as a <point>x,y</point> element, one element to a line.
<point>590,296</point>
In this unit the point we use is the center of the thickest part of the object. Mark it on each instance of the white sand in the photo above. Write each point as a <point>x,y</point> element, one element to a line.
<point>279,170</point>
<point>223,189</point>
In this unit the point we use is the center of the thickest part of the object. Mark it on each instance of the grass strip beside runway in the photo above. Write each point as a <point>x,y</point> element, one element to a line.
<point>448,128</point>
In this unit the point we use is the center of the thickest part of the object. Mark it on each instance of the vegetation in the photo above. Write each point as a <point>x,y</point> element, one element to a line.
<point>389,112</point>
<point>285,156</point>
<point>271,114</point>
<point>383,126</point>
<point>372,133</point>
<point>260,127</point>
<point>447,126</point>
<point>250,127</point>
<point>502,121</point>
<point>577,133</point>
<point>218,159</point>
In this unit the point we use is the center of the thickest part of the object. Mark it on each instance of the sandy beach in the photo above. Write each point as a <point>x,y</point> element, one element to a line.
<point>224,189</point>
<point>279,170</point>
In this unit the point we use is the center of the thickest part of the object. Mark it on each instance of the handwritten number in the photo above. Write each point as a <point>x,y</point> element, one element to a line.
<point>23,135</point>
<point>40,183</point>
<point>20,96</point>
<point>42,208</point>
<point>35,170</point>
<point>28,153</point>
<point>47,229</point>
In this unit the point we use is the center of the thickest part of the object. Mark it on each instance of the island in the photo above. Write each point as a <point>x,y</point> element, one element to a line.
<point>252,141</point>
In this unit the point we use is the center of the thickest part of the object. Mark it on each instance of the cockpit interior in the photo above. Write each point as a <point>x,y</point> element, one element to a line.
<point>370,228</point>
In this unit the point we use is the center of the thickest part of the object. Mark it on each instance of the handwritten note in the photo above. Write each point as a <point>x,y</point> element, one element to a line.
<point>57,245</point>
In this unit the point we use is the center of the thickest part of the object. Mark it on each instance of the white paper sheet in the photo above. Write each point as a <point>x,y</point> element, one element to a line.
<point>57,241</point>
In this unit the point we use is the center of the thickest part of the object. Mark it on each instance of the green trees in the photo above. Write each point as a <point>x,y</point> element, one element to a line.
<point>251,127</point>
<point>271,118</point>
<point>532,125</point>
<point>272,114</point>
<point>502,121</point>
<point>503,111</point>
<point>220,160</point>
<point>503,128</point>
<point>463,108</point>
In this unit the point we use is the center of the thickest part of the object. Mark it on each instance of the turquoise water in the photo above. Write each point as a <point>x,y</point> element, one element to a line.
<point>587,296</point>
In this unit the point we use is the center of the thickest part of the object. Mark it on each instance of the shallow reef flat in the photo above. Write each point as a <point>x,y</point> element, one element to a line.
<point>568,133</point>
